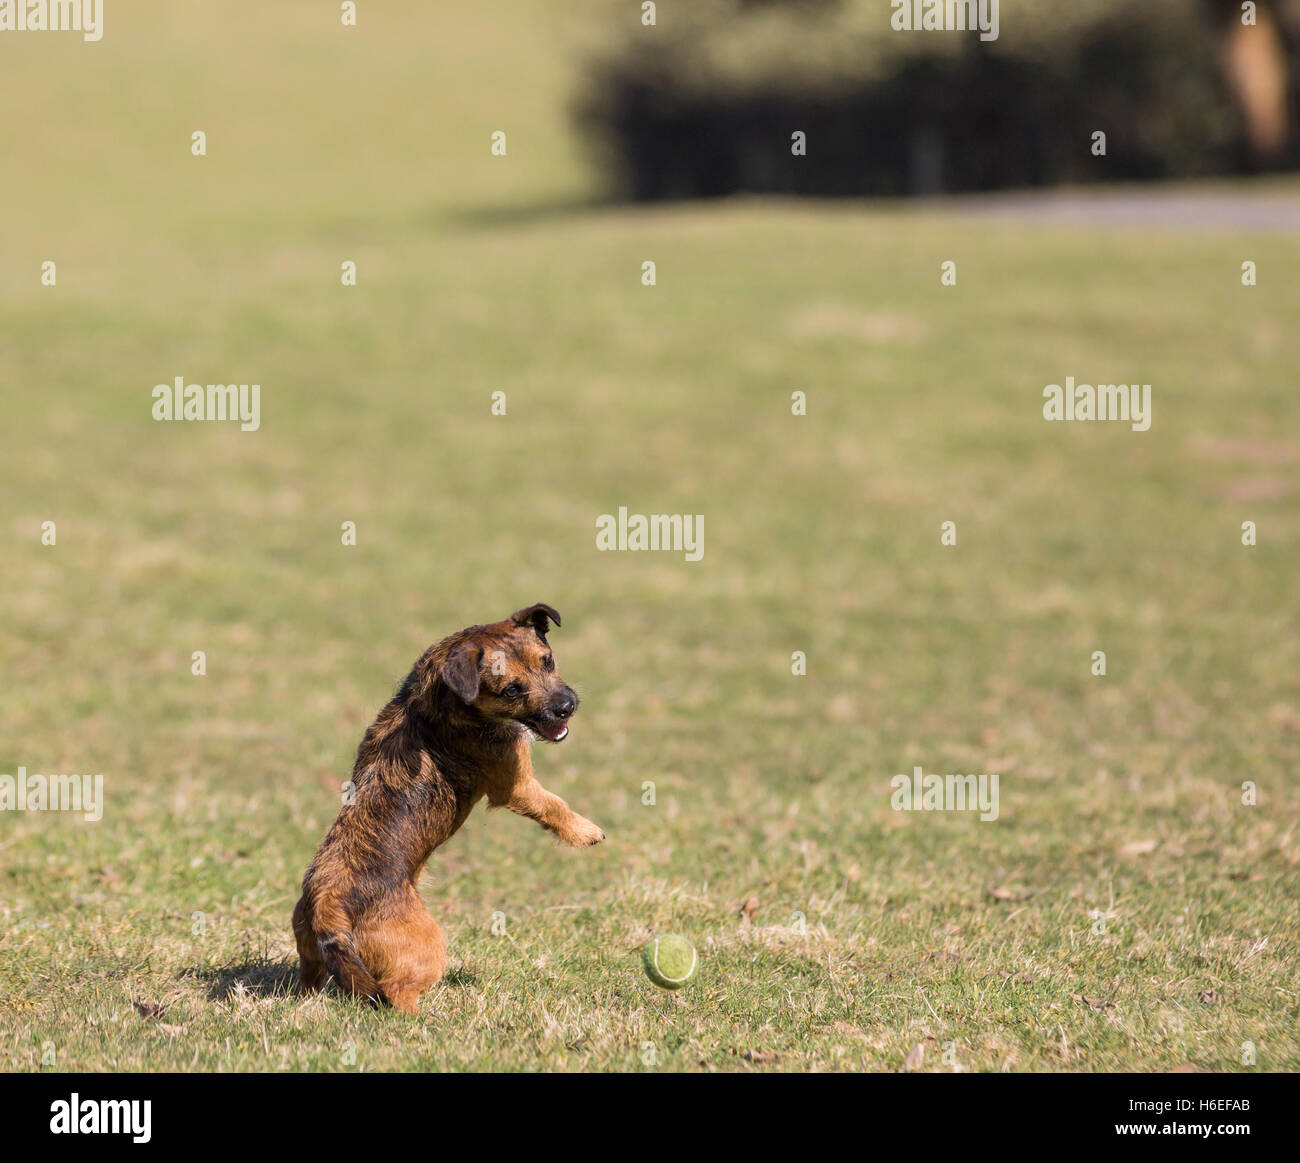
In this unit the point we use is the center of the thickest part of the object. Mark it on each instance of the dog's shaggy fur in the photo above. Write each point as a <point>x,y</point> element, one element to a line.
<point>461,727</point>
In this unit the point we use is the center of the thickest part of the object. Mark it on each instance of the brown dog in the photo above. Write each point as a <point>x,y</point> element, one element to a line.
<point>460,728</point>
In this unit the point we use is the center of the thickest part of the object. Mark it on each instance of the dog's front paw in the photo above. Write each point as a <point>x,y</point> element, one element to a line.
<point>581,833</point>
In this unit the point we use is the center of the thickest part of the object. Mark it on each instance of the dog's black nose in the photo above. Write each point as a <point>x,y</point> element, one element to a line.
<point>566,704</point>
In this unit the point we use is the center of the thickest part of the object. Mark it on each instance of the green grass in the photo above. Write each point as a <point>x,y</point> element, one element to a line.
<point>874,931</point>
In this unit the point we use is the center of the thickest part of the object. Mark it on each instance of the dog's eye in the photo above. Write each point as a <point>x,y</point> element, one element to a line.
<point>548,663</point>
<point>513,691</point>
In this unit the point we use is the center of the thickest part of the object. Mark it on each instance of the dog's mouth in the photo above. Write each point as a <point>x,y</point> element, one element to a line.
<point>552,729</point>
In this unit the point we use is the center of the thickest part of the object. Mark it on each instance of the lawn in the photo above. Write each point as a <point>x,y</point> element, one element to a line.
<point>1126,911</point>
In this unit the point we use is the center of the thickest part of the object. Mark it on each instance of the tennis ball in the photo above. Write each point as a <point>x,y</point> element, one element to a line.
<point>669,961</point>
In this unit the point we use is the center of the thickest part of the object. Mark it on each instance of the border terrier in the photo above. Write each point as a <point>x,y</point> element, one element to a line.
<point>460,727</point>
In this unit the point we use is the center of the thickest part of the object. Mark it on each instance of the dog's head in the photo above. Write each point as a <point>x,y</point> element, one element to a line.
<point>506,673</point>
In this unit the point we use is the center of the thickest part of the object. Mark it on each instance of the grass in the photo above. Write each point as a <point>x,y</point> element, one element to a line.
<point>1125,912</point>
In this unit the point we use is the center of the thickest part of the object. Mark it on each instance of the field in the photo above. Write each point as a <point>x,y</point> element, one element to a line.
<point>1126,911</point>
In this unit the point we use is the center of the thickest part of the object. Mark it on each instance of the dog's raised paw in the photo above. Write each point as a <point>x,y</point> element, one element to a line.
<point>583,834</point>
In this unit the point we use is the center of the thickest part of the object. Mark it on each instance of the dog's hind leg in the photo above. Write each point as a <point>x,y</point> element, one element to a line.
<point>311,970</point>
<point>407,949</point>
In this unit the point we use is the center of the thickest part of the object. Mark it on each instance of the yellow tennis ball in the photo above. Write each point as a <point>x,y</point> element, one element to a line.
<point>669,961</point>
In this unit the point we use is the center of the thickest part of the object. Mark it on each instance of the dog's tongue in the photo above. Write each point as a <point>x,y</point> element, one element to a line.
<point>554,731</point>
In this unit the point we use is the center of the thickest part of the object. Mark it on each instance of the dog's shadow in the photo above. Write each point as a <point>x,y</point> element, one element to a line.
<point>271,978</point>
<point>458,978</point>
<point>255,976</point>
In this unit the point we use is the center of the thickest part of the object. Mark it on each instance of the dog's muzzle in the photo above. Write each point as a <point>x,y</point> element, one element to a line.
<point>554,730</point>
<point>555,725</point>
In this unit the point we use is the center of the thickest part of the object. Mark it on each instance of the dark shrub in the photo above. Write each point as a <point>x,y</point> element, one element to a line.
<point>705,103</point>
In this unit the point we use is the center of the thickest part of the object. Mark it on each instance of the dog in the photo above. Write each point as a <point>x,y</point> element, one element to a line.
<point>460,727</point>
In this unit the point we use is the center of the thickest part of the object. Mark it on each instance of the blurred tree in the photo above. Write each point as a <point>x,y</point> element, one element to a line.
<point>708,103</point>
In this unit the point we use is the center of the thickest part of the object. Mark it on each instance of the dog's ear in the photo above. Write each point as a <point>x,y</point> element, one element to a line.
<point>460,671</point>
<point>536,617</point>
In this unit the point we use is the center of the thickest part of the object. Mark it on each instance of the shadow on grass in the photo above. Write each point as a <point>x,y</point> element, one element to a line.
<point>489,216</point>
<point>458,978</point>
<point>259,976</point>
<point>263,977</point>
